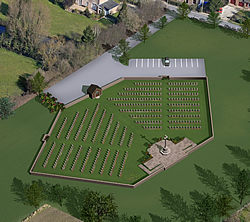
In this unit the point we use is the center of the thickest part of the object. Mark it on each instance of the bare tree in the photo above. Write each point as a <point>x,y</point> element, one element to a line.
<point>131,19</point>
<point>26,24</point>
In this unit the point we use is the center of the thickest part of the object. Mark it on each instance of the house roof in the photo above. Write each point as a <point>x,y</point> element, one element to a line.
<point>92,88</point>
<point>109,5</point>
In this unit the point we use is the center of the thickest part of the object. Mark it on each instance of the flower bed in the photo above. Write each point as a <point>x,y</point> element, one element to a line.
<point>138,104</point>
<point>72,125</point>
<point>107,130</point>
<point>63,125</point>
<point>99,125</point>
<point>178,99</point>
<point>97,156</point>
<point>152,127</point>
<point>140,110</point>
<point>148,83</point>
<point>142,89</point>
<point>86,160</point>
<point>184,127</point>
<point>137,99</point>
<point>123,135</point>
<point>115,132</point>
<point>130,140</point>
<point>183,89</point>
<point>91,121</point>
<point>184,121</point>
<point>184,110</point>
<point>81,125</point>
<point>139,94</point>
<point>105,161</point>
<point>184,104</point>
<point>184,116</point>
<point>148,121</point>
<point>145,116</point>
<point>114,162</point>
<point>58,156</point>
<point>183,94</point>
<point>183,83</point>
<point>67,157</point>
<point>123,163</point>
<point>49,154</point>
<point>76,158</point>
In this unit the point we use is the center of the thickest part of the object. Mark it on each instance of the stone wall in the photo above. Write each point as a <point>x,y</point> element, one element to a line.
<point>77,101</point>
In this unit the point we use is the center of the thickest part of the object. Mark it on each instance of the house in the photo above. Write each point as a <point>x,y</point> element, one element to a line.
<point>243,3</point>
<point>94,91</point>
<point>109,6</point>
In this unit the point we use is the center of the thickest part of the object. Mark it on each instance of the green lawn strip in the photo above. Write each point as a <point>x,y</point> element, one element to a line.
<point>12,65</point>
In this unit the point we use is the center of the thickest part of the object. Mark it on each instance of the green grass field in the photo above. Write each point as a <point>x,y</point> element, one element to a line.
<point>12,65</point>
<point>62,22</point>
<point>226,56</point>
<point>139,144</point>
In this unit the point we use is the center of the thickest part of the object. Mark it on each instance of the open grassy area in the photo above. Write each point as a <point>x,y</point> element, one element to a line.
<point>62,22</point>
<point>226,57</point>
<point>139,144</point>
<point>12,65</point>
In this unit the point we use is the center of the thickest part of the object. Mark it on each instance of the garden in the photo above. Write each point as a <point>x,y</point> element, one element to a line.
<point>96,139</point>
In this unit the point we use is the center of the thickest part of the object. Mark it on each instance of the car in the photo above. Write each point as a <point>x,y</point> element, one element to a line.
<point>220,10</point>
<point>166,61</point>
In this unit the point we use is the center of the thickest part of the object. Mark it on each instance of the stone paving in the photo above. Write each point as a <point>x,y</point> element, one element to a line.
<point>176,154</point>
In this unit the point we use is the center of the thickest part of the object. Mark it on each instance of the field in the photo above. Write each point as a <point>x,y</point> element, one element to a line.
<point>98,112</point>
<point>226,67</point>
<point>12,65</point>
<point>62,22</point>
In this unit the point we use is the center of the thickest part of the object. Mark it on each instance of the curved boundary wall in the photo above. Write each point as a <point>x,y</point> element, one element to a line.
<point>149,176</point>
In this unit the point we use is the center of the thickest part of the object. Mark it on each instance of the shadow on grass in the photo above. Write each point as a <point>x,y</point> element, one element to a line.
<point>18,189</point>
<point>231,33</point>
<point>240,154</point>
<point>202,24</point>
<point>156,218</point>
<point>4,8</point>
<point>22,82</point>
<point>246,75</point>
<point>176,204</point>
<point>214,182</point>
<point>196,196</point>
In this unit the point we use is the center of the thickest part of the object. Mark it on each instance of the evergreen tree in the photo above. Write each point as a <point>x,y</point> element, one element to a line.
<point>57,193</point>
<point>214,19</point>
<point>241,184</point>
<point>245,27</point>
<point>161,23</point>
<point>143,34</point>
<point>123,12</point>
<point>34,195</point>
<point>6,108</point>
<point>223,205</point>
<point>88,34</point>
<point>37,83</point>
<point>183,10</point>
<point>215,5</point>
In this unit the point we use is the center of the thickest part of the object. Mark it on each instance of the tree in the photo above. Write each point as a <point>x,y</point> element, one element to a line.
<point>183,10</point>
<point>96,208</point>
<point>102,12</point>
<point>245,27</point>
<point>6,108</point>
<point>143,34</point>
<point>161,23</point>
<point>241,184</point>
<point>120,52</point>
<point>34,195</point>
<point>215,5</point>
<point>57,193</point>
<point>27,22</point>
<point>223,205</point>
<point>88,35</point>
<point>87,12</point>
<point>214,19</point>
<point>123,11</point>
<point>37,83</point>
<point>205,209</point>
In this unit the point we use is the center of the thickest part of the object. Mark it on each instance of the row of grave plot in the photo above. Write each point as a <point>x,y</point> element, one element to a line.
<point>183,83</point>
<point>183,94</point>
<point>80,159</point>
<point>183,89</point>
<point>184,121</point>
<point>136,99</point>
<point>148,83</point>
<point>185,116</point>
<point>184,104</point>
<point>138,104</point>
<point>143,89</point>
<point>184,127</point>
<point>183,98</point>
<point>140,94</point>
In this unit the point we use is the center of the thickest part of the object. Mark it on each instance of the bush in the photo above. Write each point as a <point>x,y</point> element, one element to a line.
<point>124,59</point>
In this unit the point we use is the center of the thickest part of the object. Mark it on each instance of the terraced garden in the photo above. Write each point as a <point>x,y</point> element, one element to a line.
<point>106,139</point>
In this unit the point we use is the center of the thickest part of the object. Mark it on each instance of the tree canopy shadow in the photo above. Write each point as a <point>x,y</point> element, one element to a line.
<point>231,170</point>
<point>22,82</point>
<point>156,218</point>
<point>246,75</point>
<point>4,8</point>
<point>196,196</point>
<point>214,182</point>
<point>202,24</point>
<point>18,188</point>
<point>242,155</point>
<point>176,204</point>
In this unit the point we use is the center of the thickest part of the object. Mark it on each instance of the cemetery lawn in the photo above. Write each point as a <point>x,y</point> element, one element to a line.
<point>62,22</point>
<point>139,144</point>
<point>21,135</point>
<point>12,65</point>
